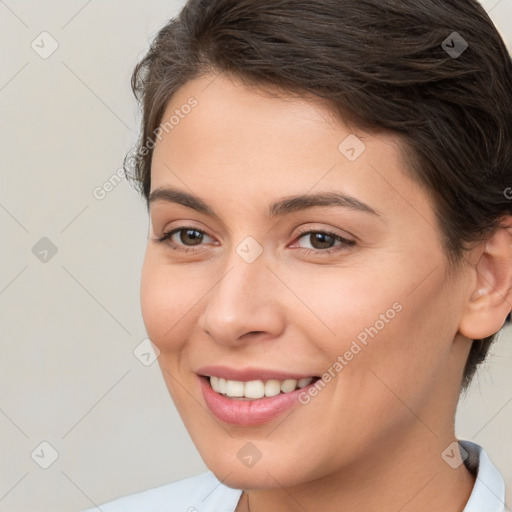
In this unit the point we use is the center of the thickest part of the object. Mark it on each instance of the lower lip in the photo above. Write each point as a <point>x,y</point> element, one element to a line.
<point>248,413</point>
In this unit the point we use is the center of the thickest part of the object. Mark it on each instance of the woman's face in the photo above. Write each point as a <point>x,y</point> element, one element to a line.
<point>304,251</point>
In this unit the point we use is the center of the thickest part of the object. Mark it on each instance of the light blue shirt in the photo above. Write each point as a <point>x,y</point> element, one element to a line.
<point>204,493</point>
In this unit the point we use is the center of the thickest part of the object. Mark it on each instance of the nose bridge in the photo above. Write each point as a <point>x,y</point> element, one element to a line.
<point>241,301</point>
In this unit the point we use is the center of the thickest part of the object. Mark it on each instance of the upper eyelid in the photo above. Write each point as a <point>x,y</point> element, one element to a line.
<point>330,231</point>
<point>301,232</point>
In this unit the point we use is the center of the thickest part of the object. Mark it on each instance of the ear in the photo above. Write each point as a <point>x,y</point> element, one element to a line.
<point>490,296</point>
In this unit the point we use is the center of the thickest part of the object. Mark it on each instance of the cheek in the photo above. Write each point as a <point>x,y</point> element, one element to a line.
<point>343,305</point>
<point>376,323</point>
<point>168,295</point>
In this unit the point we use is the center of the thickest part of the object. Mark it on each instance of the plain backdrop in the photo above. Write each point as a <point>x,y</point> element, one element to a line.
<point>71,326</point>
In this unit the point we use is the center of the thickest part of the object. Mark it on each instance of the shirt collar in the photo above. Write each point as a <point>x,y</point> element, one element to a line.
<point>488,493</point>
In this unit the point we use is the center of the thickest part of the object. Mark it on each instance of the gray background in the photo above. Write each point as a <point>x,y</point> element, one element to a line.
<point>70,321</point>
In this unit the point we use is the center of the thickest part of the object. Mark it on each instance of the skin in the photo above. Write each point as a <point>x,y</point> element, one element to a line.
<point>383,422</point>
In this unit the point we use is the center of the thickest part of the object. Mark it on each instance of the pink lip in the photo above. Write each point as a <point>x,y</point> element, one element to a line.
<point>248,374</point>
<point>248,413</point>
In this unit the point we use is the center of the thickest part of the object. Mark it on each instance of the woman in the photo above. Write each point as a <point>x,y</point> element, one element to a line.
<point>330,255</point>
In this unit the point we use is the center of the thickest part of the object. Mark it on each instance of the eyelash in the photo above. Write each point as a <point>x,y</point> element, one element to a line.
<point>166,238</point>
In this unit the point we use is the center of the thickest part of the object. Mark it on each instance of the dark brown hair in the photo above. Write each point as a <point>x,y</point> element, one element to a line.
<point>394,65</point>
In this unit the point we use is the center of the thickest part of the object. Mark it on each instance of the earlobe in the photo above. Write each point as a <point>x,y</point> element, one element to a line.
<point>490,297</point>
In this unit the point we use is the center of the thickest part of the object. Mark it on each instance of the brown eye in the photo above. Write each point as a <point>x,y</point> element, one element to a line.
<point>322,242</point>
<point>190,236</point>
<point>185,237</point>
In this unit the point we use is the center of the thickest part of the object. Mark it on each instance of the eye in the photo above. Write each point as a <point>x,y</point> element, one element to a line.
<point>184,236</point>
<point>323,241</point>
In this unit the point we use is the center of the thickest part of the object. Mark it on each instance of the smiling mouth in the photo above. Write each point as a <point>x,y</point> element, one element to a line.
<point>256,389</point>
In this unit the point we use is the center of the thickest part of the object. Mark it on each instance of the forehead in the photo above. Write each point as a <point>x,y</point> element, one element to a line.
<point>244,142</point>
<point>230,116</point>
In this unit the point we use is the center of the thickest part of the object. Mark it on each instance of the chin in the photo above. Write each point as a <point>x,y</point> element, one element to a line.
<point>252,479</point>
<point>262,475</point>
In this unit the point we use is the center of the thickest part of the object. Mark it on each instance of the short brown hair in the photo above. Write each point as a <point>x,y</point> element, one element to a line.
<point>435,72</point>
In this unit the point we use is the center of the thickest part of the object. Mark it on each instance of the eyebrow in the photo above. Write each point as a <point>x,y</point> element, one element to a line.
<point>281,207</point>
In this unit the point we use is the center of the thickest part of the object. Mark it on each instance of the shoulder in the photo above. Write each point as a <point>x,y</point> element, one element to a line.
<point>198,493</point>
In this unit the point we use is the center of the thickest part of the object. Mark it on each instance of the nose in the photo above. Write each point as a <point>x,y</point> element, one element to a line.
<point>244,304</point>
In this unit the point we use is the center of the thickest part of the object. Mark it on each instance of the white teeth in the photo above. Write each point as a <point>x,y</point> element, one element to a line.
<point>256,389</point>
<point>305,382</point>
<point>288,385</point>
<point>272,388</point>
<point>214,381</point>
<point>234,388</point>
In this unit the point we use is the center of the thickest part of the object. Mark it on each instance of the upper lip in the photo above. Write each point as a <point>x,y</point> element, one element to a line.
<point>248,374</point>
